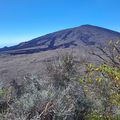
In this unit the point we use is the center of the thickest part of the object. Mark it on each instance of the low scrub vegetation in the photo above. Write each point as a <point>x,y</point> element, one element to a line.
<point>67,92</point>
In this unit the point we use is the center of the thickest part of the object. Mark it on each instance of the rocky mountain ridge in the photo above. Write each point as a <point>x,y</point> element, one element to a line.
<point>85,35</point>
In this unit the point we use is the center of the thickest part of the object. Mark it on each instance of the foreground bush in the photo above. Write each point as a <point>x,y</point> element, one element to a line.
<point>103,83</point>
<point>59,98</point>
<point>67,93</point>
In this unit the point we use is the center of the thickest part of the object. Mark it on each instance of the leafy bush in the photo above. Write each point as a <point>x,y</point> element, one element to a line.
<point>62,71</point>
<point>103,83</point>
<point>67,93</point>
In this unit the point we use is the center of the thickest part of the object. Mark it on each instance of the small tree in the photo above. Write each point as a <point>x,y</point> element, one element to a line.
<point>103,82</point>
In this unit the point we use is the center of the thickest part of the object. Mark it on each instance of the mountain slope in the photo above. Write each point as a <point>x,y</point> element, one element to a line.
<point>85,35</point>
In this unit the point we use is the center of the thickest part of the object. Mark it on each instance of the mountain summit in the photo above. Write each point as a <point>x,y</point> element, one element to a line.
<point>85,35</point>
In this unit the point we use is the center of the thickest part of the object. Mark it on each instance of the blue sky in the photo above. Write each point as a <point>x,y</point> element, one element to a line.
<point>22,20</point>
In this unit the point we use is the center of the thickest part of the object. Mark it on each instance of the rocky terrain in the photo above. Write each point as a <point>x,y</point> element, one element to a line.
<point>82,36</point>
<point>16,61</point>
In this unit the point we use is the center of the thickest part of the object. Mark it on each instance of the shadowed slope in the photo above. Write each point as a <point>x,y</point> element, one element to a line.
<point>85,35</point>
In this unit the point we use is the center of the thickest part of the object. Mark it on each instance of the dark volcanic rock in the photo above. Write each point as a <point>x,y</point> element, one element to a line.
<point>85,35</point>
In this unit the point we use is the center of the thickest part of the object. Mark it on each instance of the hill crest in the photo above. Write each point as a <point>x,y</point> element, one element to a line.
<point>85,35</point>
